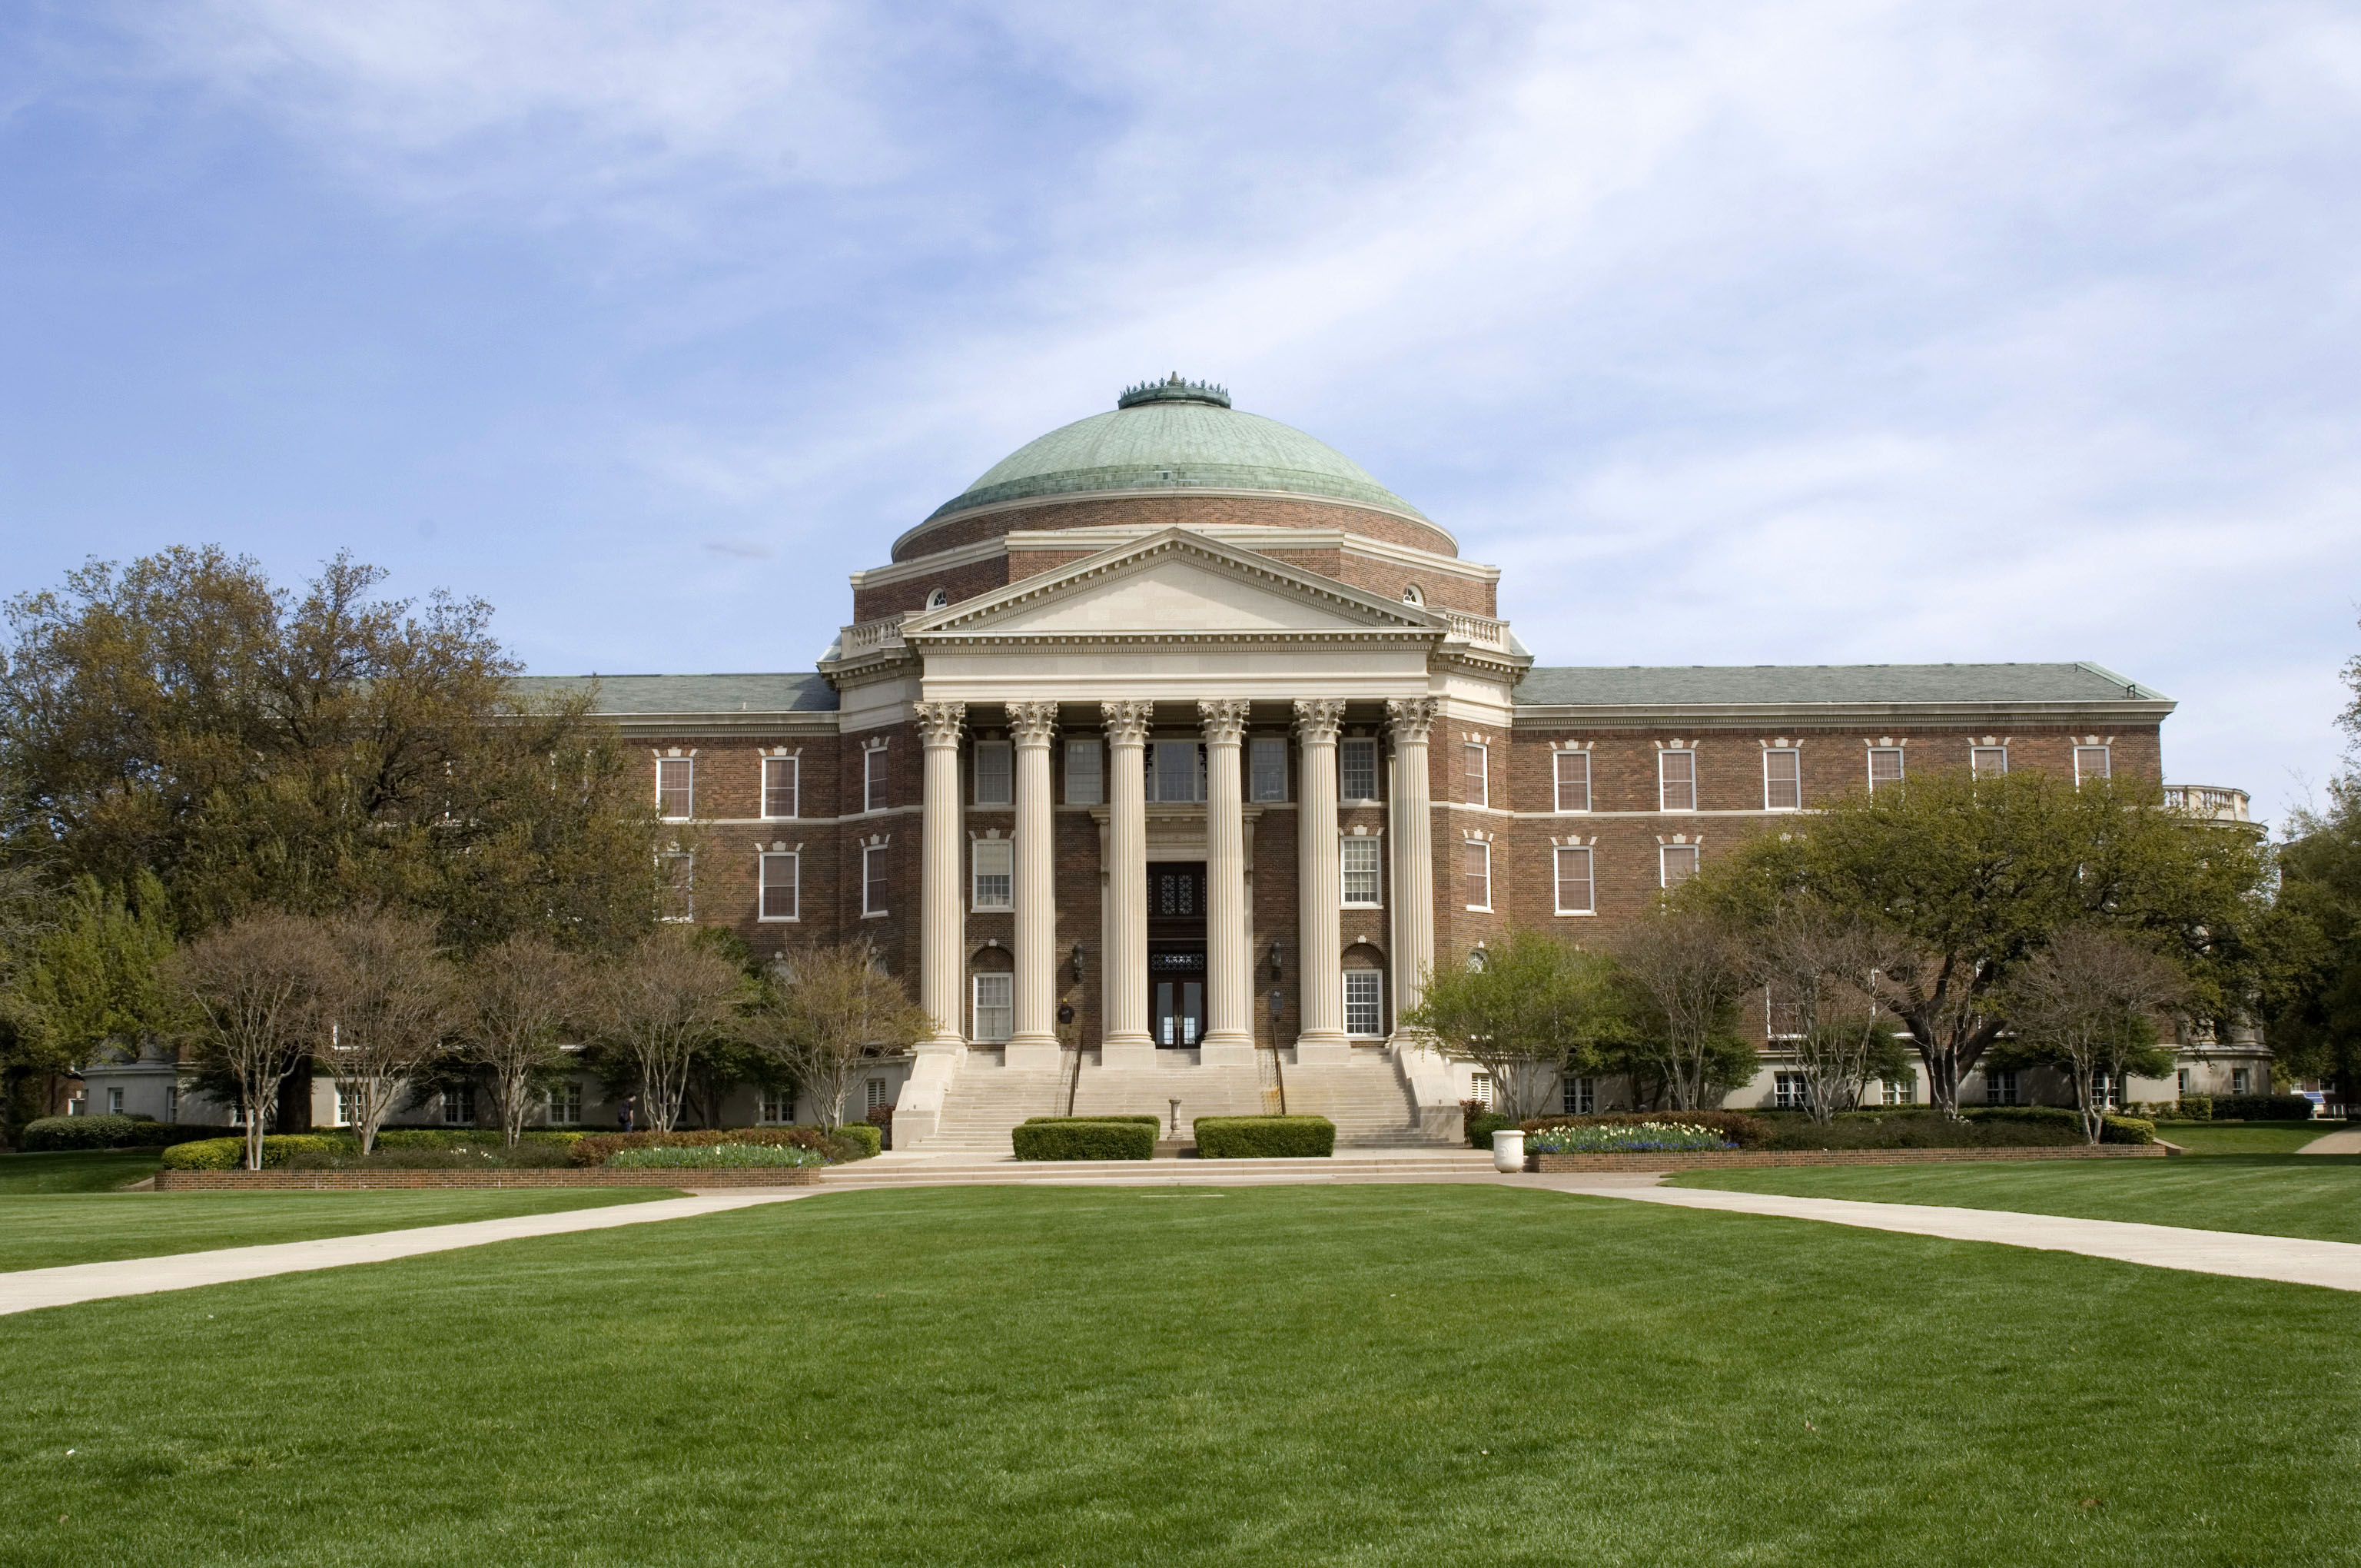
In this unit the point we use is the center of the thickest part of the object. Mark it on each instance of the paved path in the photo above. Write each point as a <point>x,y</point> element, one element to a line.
<point>33,1288</point>
<point>2334,1142</point>
<point>2294,1259</point>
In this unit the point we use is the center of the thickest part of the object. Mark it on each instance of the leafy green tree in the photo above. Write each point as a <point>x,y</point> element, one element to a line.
<point>91,984</point>
<point>1527,1010</point>
<point>2316,1029</point>
<point>2087,1005</point>
<point>1819,962</point>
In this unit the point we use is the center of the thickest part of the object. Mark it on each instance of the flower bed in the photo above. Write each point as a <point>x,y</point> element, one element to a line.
<point>719,1156</point>
<point>403,1181</point>
<point>1723,1159</point>
<point>1627,1137</point>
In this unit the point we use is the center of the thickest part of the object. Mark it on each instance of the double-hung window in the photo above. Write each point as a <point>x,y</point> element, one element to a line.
<point>2000,1087</point>
<point>1476,759</point>
<point>1356,770</point>
<point>1359,859</point>
<point>1267,760</point>
<point>781,779</point>
<point>1576,893</point>
<point>1783,779</point>
<point>778,1106</point>
<point>2090,762</point>
<point>1364,1006</point>
<point>1573,779</point>
<point>872,879</point>
<point>676,788</point>
<point>1676,781</point>
<point>781,874</point>
<point>1475,859</point>
<point>1987,761</point>
<point>675,885</point>
<point>1676,864</point>
<point>995,774</point>
<point>564,1107</point>
<point>115,1102</point>
<point>1898,1091</point>
<point>1579,1096</point>
<point>1085,774</point>
<point>873,779</point>
<point>1176,771</point>
<point>459,1106</point>
<point>995,862</point>
<point>1791,1092</point>
<point>995,1007</point>
<point>1884,765</point>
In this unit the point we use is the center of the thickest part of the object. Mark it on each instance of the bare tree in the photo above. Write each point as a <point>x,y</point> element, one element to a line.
<point>2088,1003</point>
<point>516,999</point>
<point>656,1004</point>
<point>1685,970</point>
<point>1525,1010</point>
<point>386,997</point>
<point>829,1012</point>
<point>254,987</point>
<point>1820,964</point>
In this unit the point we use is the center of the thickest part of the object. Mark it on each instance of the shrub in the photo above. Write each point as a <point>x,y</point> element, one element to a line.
<point>719,1156</point>
<point>1084,1140</point>
<point>1924,1129</point>
<point>1627,1137</point>
<point>105,1132</point>
<point>2112,1129</point>
<point>469,1137</point>
<point>1748,1132</point>
<point>869,1138</point>
<point>2126,1130</point>
<point>2195,1108</point>
<point>2261,1108</point>
<point>485,1153</point>
<point>229,1154</point>
<point>597,1148</point>
<point>1482,1125</point>
<point>1265,1138</point>
<point>1045,1121</point>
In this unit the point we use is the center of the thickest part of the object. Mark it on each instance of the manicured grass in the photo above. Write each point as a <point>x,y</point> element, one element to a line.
<point>1395,1375</point>
<point>77,1171</point>
<point>42,1231</point>
<point>2274,1195</point>
<point>2244,1137</point>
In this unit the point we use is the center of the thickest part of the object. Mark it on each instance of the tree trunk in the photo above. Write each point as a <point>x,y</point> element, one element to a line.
<point>294,1109</point>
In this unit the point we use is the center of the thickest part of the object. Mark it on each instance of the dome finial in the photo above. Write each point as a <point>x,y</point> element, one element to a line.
<point>1173,390</point>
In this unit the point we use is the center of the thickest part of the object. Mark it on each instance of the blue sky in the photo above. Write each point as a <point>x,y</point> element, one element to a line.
<point>1800,331</point>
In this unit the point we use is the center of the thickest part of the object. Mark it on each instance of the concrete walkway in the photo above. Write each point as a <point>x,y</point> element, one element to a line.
<point>2334,1142</point>
<point>2292,1259</point>
<point>29,1288</point>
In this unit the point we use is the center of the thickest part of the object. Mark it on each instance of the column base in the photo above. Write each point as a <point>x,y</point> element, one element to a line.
<point>1221,1048</point>
<point>1127,1053</point>
<point>1032,1054</point>
<point>1322,1047</point>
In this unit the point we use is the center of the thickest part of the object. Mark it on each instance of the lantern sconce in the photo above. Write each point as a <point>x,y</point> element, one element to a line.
<point>1077,957</point>
<point>1275,965</point>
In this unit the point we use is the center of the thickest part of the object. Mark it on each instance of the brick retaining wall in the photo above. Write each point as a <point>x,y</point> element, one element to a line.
<point>380,1180</point>
<point>1712,1159</point>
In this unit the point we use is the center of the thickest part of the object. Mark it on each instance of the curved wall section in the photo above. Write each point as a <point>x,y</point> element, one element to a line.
<point>1173,509</point>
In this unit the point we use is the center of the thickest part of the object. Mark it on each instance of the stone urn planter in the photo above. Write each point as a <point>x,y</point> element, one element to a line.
<point>1509,1150</point>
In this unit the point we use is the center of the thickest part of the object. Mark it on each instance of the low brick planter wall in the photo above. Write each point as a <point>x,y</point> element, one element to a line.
<point>1723,1159</point>
<point>388,1180</point>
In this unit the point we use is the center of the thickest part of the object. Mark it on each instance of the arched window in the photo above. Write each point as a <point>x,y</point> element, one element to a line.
<point>938,599</point>
<point>1412,595</point>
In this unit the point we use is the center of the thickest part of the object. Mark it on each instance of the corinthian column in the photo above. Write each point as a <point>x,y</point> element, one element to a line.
<point>1229,1020</point>
<point>1124,1040</point>
<point>1034,1041</point>
<point>1411,720</point>
<point>940,926</point>
<point>1320,889</point>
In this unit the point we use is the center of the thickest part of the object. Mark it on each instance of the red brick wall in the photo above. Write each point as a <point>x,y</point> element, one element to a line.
<point>373,1180</point>
<point>1720,1159</point>
<point>1179,510</point>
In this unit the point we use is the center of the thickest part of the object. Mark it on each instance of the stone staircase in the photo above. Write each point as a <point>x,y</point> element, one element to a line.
<point>1365,1097</point>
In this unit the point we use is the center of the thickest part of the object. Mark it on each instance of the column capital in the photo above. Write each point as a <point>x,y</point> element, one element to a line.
<point>1127,722</point>
<point>1412,719</point>
<point>1318,720</point>
<point>1224,720</point>
<point>940,722</point>
<point>1031,723</point>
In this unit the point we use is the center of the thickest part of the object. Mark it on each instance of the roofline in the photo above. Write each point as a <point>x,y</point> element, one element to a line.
<point>1260,538</point>
<point>1074,498</point>
<point>1620,716</point>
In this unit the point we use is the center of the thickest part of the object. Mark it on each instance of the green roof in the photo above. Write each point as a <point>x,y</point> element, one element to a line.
<point>622,696</point>
<point>1789,686</point>
<point>1175,437</point>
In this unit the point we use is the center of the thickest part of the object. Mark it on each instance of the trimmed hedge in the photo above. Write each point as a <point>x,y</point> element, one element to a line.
<point>1482,1125</point>
<point>868,1137</point>
<point>600,1148</point>
<point>1084,1140</point>
<point>2261,1108</point>
<point>229,1154</point>
<point>50,1134</point>
<point>1265,1138</point>
<point>2111,1130</point>
<point>1747,1132</point>
<point>719,1156</point>
<point>1049,1121</point>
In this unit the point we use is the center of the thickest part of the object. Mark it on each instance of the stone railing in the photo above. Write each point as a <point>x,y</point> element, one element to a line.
<point>2216,803</point>
<point>1481,630</point>
<point>868,637</point>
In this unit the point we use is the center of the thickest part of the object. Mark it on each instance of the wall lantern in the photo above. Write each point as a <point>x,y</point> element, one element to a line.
<point>1077,957</point>
<point>1275,966</point>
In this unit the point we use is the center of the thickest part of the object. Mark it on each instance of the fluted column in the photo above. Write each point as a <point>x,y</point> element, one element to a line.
<point>1034,1040</point>
<point>941,925</point>
<point>1411,721</point>
<point>1320,892</point>
<point>1229,1016</point>
<point>1124,1040</point>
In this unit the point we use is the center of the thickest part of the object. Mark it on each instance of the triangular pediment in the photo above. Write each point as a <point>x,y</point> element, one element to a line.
<point>1174,583</point>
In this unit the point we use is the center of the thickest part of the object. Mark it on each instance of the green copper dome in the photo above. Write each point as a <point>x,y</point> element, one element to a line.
<point>1169,435</point>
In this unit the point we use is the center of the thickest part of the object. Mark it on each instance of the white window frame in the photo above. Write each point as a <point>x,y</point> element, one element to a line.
<point>1346,750</point>
<point>1771,1009</point>
<point>1797,754</point>
<point>873,779</point>
<point>172,1104</point>
<point>873,1095</point>
<point>2002,1088</point>
<point>1667,853</point>
<point>1588,879</point>
<point>687,859</point>
<point>1262,750</point>
<point>115,1102</point>
<point>1095,774</point>
<point>1476,772</point>
<point>1899,1091</point>
<point>562,1105</point>
<point>1479,1089</point>
<point>1370,1004</point>
<point>872,880</point>
<point>2242,1080</point>
<point>1558,782</point>
<point>1901,765</point>
<point>768,862</point>
<point>792,769</point>
<point>2107,763</point>
<point>1000,985</point>
<point>1467,876</point>
<point>1157,753</point>
<point>992,859</point>
<point>1664,783</point>
<point>1003,773</point>
<point>686,789</point>
<point>777,1108</point>
<point>1578,1096</point>
<point>1976,754</point>
<point>459,1106</point>
<point>1349,848</point>
<point>1791,1092</point>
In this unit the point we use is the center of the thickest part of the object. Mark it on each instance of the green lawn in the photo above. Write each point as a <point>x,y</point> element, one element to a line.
<point>1379,1374</point>
<point>80,1170</point>
<point>42,1231</point>
<point>2244,1137</point>
<point>2278,1195</point>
